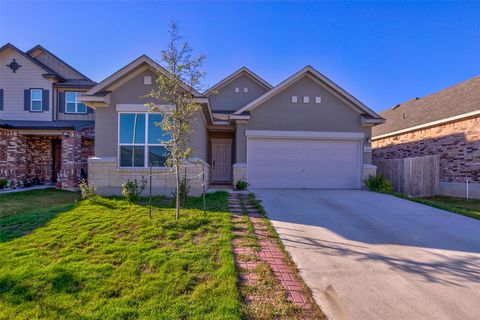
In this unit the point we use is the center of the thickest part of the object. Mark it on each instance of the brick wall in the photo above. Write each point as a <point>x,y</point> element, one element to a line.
<point>12,155</point>
<point>39,158</point>
<point>457,145</point>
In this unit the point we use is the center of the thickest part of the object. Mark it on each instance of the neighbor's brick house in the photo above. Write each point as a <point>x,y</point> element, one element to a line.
<point>45,133</point>
<point>447,124</point>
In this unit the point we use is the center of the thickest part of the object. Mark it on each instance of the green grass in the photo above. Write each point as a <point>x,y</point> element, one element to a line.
<point>469,208</point>
<point>22,212</point>
<point>108,260</point>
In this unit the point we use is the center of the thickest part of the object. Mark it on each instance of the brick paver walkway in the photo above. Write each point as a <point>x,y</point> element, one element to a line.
<point>247,257</point>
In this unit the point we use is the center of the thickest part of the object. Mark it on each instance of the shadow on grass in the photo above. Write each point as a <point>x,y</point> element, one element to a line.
<point>18,225</point>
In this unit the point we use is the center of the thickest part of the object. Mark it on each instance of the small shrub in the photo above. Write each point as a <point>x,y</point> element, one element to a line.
<point>88,191</point>
<point>378,183</point>
<point>184,192</point>
<point>3,183</point>
<point>241,185</point>
<point>132,190</point>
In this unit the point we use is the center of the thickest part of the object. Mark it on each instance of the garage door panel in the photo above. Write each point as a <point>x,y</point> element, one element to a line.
<point>303,163</point>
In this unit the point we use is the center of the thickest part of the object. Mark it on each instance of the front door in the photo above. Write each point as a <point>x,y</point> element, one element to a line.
<point>56,159</point>
<point>221,161</point>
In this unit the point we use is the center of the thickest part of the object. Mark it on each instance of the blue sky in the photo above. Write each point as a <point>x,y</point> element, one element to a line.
<point>383,53</point>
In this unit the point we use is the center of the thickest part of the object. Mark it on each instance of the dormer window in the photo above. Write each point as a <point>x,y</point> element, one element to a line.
<point>36,98</point>
<point>72,105</point>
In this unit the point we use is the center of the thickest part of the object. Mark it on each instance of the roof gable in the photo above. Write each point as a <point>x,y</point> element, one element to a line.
<point>319,78</point>
<point>38,50</point>
<point>462,98</point>
<point>48,72</point>
<point>119,76</point>
<point>236,75</point>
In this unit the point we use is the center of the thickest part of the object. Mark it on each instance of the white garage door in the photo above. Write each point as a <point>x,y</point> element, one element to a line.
<point>303,163</point>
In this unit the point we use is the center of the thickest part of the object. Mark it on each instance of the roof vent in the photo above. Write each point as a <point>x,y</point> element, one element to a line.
<point>404,116</point>
<point>398,105</point>
<point>417,98</point>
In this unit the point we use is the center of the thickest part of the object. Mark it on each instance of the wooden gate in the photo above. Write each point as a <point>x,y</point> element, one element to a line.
<point>416,177</point>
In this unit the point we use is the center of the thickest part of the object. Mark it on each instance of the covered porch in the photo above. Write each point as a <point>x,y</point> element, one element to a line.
<point>34,156</point>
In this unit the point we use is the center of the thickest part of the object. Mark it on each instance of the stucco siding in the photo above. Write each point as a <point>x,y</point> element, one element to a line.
<point>279,113</point>
<point>132,92</point>
<point>228,100</point>
<point>29,75</point>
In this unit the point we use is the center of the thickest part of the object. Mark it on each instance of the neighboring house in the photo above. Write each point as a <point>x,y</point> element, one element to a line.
<point>46,134</point>
<point>305,132</point>
<point>447,124</point>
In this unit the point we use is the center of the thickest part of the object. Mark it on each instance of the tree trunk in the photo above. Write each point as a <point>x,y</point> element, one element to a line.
<point>177,200</point>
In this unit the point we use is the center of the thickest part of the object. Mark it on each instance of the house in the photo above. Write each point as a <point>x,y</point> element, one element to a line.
<point>46,134</point>
<point>447,124</point>
<point>306,132</point>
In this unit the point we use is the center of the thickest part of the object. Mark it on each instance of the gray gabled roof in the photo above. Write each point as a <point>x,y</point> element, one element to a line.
<point>243,70</point>
<point>462,98</point>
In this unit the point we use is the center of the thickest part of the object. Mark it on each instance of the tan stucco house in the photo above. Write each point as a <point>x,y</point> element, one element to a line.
<point>306,132</point>
<point>46,134</point>
<point>447,124</point>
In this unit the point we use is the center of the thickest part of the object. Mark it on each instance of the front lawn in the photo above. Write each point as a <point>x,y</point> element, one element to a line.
<point>108,260</point>
<point>469,208</point>
<point>22,212</point>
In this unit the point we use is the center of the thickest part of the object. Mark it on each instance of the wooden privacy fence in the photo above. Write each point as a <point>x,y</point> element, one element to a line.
<point>417,177</point>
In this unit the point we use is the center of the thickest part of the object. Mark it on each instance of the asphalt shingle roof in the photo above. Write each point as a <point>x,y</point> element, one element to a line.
<point>452,101</point>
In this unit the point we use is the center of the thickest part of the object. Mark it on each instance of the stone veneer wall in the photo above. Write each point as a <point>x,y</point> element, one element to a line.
<point>239,172</point>
<point>104,173</point>
<point>457,145</point>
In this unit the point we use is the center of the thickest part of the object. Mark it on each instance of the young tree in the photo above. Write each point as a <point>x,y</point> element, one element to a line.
<point>173,98</point>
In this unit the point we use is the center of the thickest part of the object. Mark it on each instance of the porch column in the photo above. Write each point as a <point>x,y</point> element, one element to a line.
<point>71,160</point>
<point>13,156</point>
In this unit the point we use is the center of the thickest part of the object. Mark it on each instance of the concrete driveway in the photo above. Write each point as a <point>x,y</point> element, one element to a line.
<point>373,256</point>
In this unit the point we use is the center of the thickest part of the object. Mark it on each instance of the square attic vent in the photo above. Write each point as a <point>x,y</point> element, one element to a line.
<point>147,80</point>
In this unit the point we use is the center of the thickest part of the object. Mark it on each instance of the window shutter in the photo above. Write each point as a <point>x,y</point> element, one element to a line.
<point>26,100</point>
<point>46,99</point>
<point>61,102</point>
<point>1,99</point>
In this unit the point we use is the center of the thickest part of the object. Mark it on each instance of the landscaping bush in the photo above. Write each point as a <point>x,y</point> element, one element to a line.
<point>378,183</point>
<point>132,190</point>
<point>241,185</point>
<point>3,183</point>
<point>88,191</point>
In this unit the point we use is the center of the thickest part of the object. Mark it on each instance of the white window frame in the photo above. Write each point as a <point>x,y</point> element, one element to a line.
<point>76,103</point>
<point>32,100</point>
<point>146,145</point>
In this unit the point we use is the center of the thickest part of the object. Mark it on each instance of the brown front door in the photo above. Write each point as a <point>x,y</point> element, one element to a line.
<point>221,160</point>
<point>56,158</point>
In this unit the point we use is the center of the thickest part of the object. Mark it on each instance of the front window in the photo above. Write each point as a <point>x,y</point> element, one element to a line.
<point>140,140</point>
<point>72,105</point>
<point>36,97</point>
